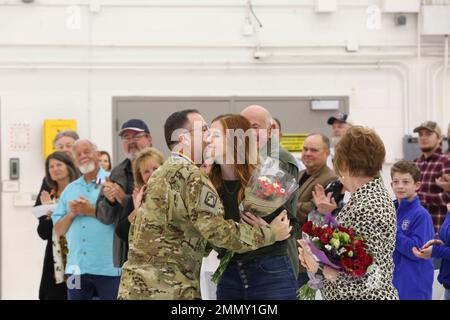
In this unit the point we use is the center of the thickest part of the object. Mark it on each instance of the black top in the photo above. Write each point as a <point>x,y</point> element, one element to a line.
<point>303,179</point>
<point>48,289</point>
<point>229,195</point>
<point>123,228</point>
<point>335,188</point>
<point>111,213</point>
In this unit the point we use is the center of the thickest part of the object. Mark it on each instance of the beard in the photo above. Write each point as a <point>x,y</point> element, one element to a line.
<point>132,152</point>
<point>427,150</point>
<point>334,141</point>
<point>87,167</point>
<point>131,156</point>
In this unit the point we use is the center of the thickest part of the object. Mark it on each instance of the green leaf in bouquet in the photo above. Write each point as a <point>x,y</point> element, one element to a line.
<point>306,293</point>
<point>224,262</point>
<point>317,243</point>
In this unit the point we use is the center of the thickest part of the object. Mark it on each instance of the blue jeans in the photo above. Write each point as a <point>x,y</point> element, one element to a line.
<point>447,294</point>
<point>269,278</point>
<point>105,287</point>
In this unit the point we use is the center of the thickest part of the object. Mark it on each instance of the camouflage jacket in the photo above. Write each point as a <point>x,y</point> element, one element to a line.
<point>181,214</point>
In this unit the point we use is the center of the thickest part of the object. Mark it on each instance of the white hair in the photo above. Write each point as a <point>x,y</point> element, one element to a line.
<point>76,143</point>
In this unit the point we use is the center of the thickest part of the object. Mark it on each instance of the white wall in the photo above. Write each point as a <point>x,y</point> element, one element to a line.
<point>167,48</point>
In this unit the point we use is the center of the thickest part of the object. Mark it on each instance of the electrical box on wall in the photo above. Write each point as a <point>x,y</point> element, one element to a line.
<point>326,6</point>
<point>401,6</point>
<point>435,20</point>
<point>411,149</point>
<point>14,169</point>
<point>51,129</point>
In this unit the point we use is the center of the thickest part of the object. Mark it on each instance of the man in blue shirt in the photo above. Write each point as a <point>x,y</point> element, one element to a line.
<point>89,262</point>
<point>413,277</point>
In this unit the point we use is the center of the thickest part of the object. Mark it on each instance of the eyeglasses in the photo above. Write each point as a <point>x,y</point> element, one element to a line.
<point>129,137</point>
<point>205,128</point>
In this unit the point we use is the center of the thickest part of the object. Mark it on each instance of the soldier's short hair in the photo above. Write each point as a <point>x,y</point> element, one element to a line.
<point>175,121</point>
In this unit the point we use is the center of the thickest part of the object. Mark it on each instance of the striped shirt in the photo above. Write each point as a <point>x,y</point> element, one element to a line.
<point>433,197</point>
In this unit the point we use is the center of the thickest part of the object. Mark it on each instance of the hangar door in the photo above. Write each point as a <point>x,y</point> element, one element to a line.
<point>295,113</point>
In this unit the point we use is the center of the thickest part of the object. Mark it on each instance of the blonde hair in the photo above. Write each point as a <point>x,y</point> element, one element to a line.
<point>143,156</point>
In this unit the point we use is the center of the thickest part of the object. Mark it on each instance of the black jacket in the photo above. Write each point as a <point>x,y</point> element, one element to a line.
<point>48,289</point>
<point>112,213</point>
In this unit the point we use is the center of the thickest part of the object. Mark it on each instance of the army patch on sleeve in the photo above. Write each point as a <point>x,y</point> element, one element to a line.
<point>210,199</point>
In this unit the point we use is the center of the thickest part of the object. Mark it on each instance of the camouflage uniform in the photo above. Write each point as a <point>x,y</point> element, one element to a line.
<point>181,214</point>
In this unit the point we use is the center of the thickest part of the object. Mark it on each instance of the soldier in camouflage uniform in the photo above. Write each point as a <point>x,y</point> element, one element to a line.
<point>181,215</point>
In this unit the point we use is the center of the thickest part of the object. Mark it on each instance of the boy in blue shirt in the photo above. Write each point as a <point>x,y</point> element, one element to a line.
<point>413,277</point>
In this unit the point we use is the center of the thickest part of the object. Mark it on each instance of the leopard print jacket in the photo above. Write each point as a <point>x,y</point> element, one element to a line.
<point>371,213</point>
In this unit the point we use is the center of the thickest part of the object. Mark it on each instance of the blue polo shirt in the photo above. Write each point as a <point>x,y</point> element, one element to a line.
<point>89,241</point>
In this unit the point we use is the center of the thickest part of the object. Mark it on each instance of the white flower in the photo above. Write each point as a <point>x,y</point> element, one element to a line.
<point>328,247</point>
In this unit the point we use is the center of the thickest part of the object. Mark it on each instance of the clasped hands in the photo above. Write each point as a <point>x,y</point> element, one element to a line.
<point>81,206</point>
<point>113,191</point>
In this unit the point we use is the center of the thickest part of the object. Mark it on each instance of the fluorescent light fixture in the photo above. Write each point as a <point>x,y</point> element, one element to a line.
<point>324,104</point>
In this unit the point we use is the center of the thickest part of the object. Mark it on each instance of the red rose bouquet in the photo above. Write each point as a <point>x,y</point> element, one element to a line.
<point>336,247</point>
<point>268,189</point>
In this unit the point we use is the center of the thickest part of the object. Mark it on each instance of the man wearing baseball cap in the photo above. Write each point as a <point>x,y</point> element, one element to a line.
<point>116,200</point>
<point>432,165</point>
<point>339,126</point>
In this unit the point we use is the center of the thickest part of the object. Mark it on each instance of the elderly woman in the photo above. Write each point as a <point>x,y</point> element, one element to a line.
<point>370,212</point>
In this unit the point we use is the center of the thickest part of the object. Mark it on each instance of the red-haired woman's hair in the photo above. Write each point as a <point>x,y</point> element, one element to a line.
<point>242,170</point>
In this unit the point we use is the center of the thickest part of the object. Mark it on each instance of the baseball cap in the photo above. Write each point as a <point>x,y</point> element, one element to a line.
<point>135,125</point>
<point>429,125</point>
<point>341,117</point>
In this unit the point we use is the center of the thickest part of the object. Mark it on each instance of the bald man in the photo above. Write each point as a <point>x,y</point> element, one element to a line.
<point>280,259</point>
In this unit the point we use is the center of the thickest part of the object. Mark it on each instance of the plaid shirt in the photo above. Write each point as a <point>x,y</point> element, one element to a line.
<point>434,198</point>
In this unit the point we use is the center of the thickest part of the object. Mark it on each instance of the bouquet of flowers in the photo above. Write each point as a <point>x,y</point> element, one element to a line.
<point>268,189</point>
<point>336,247</point>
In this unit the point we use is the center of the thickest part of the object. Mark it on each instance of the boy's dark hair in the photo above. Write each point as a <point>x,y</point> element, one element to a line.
<point>176,120</point>
<point>405,166</point>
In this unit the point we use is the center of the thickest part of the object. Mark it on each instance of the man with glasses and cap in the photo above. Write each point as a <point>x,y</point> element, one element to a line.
<point>115,200</point>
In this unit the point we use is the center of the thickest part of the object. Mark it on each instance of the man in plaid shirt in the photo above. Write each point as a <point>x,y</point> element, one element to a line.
<point>432,165</point>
